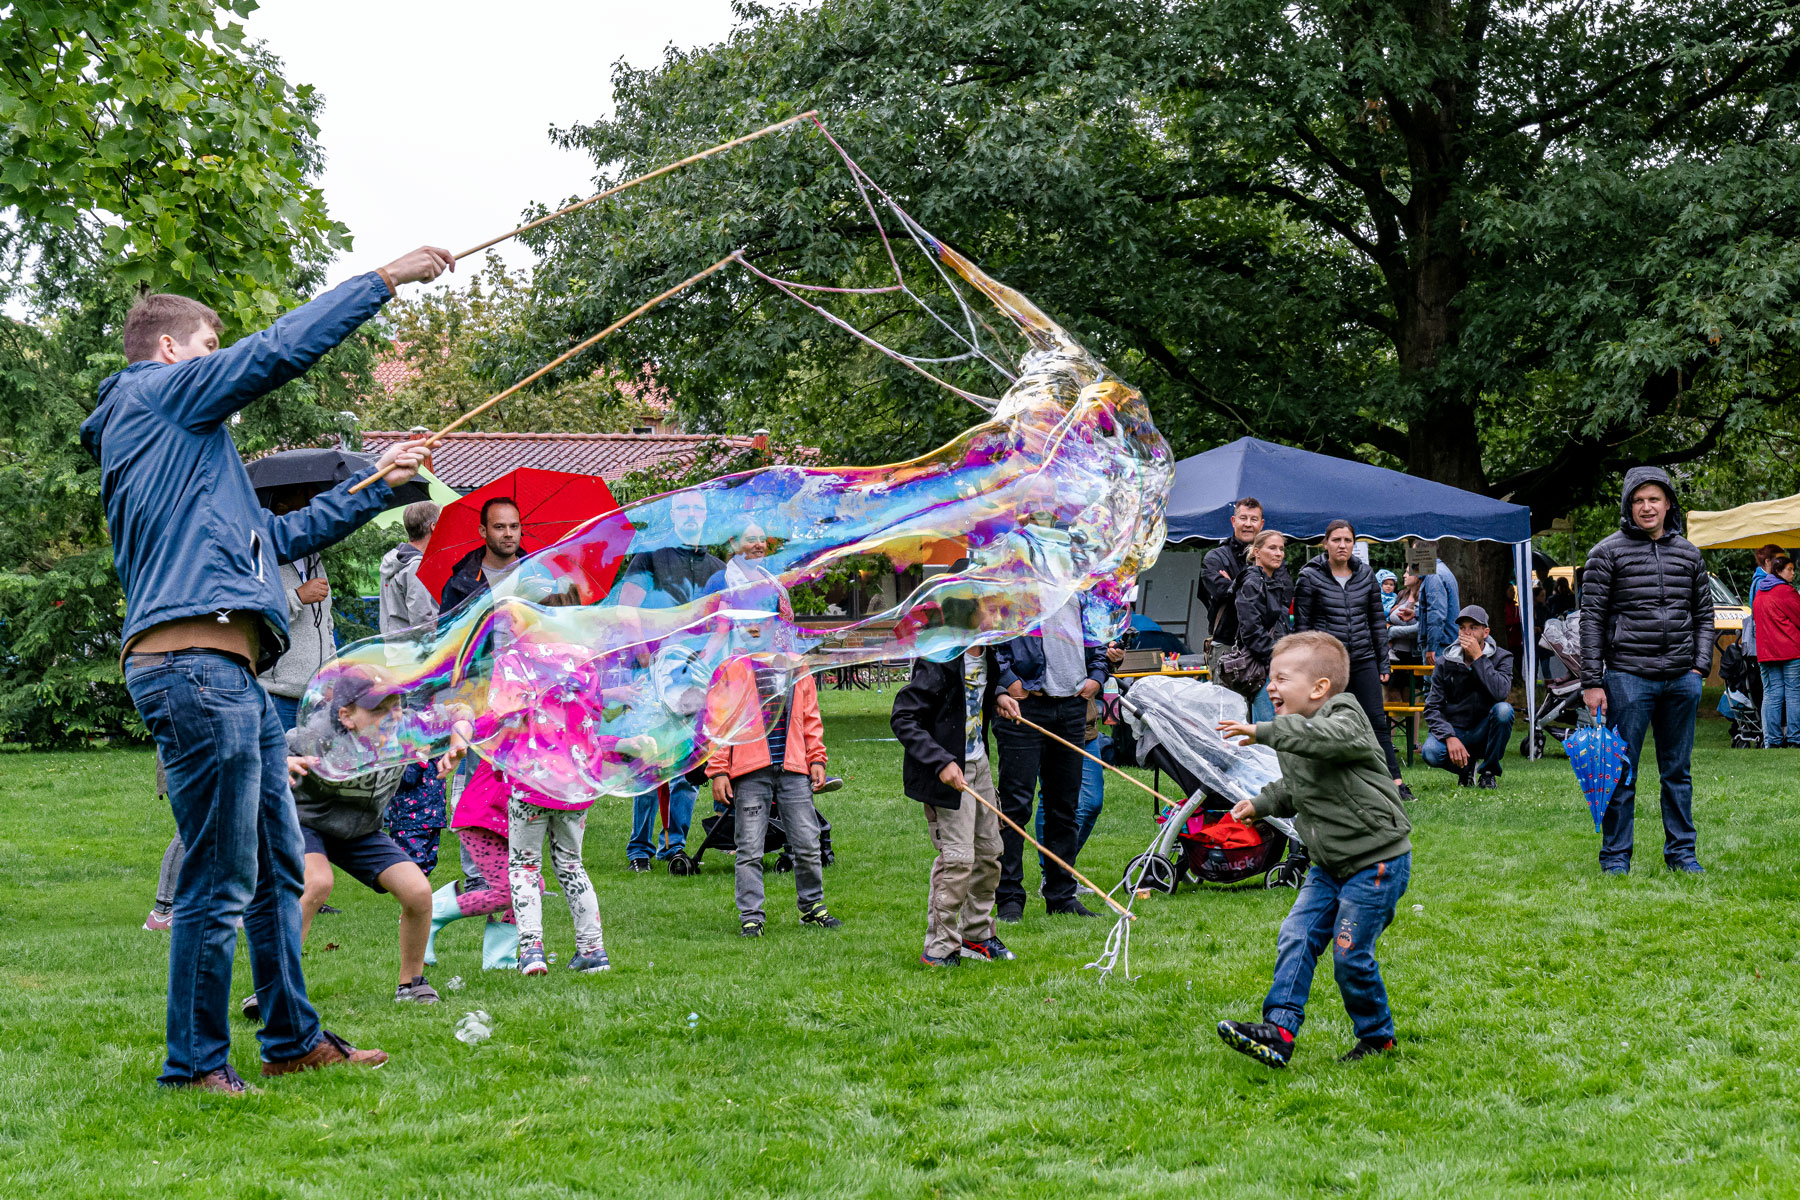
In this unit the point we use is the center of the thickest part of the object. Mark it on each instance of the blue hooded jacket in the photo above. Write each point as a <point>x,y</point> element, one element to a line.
<point>1439,602</point>
<point>188,536</point>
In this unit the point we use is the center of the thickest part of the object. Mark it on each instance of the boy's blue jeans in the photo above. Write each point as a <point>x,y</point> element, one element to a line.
<point>1486,743</point>
<point>1636,705</point>
<point>225,753</point>
<point>1348,917</point>
<point>643,822</point>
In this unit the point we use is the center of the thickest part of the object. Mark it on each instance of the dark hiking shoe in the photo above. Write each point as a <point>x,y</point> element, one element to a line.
<point>751,929</point>
<point>225,1081</point>
<point>1268,1044</point>
<point>1367,1048</point>
<point>1465,777</point>
<point>1010,913</point>
<point>1614,869</point>
<point>992,949</point>
<point>1489,781</point>
<point>416,991</point>
<point>330,1051</point>
<point>1073,908</point>
<point>1406,795</point>
<point>1690,867</point>
<point>638,864</point>
<point>818,916</point>
<point>954,960</point>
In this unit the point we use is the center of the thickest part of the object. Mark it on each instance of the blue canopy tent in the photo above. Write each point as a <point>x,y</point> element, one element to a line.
<point>1301,492</point>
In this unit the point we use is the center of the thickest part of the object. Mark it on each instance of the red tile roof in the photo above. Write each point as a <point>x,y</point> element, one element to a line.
<point>467,461</point>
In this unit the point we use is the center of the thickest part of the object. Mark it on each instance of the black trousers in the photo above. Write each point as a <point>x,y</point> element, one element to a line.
<point>1026,758</point>
<point>1365,685</point>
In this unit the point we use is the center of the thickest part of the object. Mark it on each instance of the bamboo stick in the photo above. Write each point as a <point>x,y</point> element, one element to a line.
<point>1085,881</point>
<point>562,358</point>
<point>631,183</point>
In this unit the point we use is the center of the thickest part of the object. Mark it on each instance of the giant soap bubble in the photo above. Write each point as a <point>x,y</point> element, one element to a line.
<point>616,659</point>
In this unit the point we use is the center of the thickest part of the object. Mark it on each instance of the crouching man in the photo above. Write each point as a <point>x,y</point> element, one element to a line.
<point>1466,710</point>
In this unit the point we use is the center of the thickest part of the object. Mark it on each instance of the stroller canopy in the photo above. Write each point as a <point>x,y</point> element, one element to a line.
<point>1302,492</point>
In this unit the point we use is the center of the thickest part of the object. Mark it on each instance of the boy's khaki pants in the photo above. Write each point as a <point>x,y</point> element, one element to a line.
<point>961,902</point>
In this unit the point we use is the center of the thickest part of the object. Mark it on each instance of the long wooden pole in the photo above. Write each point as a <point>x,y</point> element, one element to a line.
<point>631,183</point>
<point>1134,782</point>
<point>564,357</point>
<point>1042,849</point>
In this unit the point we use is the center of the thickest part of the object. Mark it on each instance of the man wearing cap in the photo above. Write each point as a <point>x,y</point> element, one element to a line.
<point>1466,711</point>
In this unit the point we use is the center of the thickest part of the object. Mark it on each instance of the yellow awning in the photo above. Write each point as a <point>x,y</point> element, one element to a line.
<point>1747,526</point>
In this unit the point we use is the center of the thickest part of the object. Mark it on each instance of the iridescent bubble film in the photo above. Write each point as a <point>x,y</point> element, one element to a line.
<point>618,658</point>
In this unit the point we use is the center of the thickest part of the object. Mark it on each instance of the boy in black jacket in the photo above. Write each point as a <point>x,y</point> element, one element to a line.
<point>941,718</point>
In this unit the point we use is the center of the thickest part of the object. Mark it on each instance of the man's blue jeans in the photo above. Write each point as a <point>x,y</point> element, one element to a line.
<point>1486,743</point>
<point>226,758</point>
<point>1347,916</point>
<point>1634,706</point>
<point>1262,708</point>
<point>1089,802</point>
<point>1781,691</point>
<point>643,822</point>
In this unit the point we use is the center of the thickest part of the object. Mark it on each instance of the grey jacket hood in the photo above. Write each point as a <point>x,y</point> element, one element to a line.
<point>1636,478</point>
<point>397,560</point>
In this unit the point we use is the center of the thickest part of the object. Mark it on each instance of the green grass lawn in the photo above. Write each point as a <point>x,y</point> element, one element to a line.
<point>1560,1034</point>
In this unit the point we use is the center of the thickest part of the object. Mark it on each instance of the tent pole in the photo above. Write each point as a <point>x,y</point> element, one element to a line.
<point>1528,642</point>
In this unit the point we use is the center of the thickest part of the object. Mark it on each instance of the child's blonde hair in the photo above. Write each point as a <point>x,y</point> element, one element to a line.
<point>1325,656</point>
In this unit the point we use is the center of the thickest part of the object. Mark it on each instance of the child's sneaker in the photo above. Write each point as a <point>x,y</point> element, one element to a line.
<point>751,929</point>
<point>531,960</point>
<point>992,949</point>
<point>1268,1044</point>
<point>818,916</point>
<point>1367,1048</point>
<point>251,1008</point>
<point>590,964</point>
<point>160,922</point>
<point>417,991</point>
<point>953,960</point>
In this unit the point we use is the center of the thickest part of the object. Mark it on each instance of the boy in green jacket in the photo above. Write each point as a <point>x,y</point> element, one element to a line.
<point>1336,786</point>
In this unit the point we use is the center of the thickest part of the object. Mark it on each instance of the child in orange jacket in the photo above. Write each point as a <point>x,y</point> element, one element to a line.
<point>780,770</point>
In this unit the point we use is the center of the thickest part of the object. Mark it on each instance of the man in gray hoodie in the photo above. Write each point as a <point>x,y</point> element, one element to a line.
<point>311,636</point>
<point>405,602</point>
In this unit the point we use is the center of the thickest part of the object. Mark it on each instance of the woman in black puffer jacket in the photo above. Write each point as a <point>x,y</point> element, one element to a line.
<point>1263,593</point>
<point>1336,593</point>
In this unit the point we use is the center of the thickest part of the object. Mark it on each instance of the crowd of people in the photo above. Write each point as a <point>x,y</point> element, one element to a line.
<point>228,617</point>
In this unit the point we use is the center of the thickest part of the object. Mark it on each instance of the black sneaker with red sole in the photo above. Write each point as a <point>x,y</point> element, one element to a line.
<point>1367,1048</point>
<point>1264,1042</point>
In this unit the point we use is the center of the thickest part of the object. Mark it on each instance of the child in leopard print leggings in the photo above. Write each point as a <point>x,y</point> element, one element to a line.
<point>532,818</point>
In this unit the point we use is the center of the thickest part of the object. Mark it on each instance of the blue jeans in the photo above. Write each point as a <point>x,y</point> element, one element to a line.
<point>1634,706</point>
<point>287,710</point>
<point>1089,802</point>
<point>1262,708</point>
<point>643,822</point>
<point>1348,916</point>
<point>226,758</point>
<point>1781,689</point>
<point>1486,743</point>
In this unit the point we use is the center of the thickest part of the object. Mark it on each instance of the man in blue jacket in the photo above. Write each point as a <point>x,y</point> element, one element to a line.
<point>1052,674</point>
<point>204,612</point>
<point>1439,601</point>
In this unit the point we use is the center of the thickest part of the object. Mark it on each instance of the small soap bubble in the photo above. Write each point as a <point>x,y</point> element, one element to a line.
<point>474,1028</point>
<point>1418,908</point>
<point>455,984</point>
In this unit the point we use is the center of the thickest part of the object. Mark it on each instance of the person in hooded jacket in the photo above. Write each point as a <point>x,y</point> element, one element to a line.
<point>1775,605</point>
<point>198,559</point>
<point>312,632</point>
<point>1646,645</point>
<point>405,602</point>
<point>1336,593</point>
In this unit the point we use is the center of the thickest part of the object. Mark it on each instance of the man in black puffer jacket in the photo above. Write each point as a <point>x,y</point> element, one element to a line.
<point>1646,645</point>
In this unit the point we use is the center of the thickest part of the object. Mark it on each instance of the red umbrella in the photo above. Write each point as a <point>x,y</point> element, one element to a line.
<point>552,504</point>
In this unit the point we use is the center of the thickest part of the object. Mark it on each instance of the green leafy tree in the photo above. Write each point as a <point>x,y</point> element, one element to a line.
<point>462,345</point>
<point>1505,246</point>
<point>147,147</point>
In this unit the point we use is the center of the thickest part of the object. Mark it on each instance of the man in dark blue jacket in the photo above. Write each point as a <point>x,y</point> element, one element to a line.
<point>205,611</point>
<point>1052,674</point>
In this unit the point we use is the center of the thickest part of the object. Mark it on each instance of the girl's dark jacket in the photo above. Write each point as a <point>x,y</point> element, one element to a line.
<point>928,719</point>
<point>1262,610</point>
<point>1351,613</point>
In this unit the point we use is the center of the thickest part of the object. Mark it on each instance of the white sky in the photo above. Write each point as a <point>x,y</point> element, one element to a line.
<point>437,115</point>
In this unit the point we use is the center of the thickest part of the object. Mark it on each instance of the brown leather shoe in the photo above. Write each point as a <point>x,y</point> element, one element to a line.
<point>330,1051</point>
<point>225,1081</point>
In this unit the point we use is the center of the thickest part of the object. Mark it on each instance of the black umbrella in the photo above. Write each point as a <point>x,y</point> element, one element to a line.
<point>322,469</point>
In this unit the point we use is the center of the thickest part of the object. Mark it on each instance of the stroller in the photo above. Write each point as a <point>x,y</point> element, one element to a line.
<point>720,833</point>
<point>1559,710</point>
<point>1175,721</point>
<point>1741,703</point>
